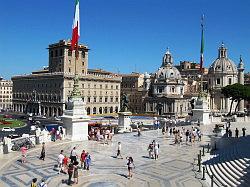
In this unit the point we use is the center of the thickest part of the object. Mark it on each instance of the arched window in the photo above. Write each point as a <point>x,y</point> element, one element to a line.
<point>94,110</point>
<point>88,110</point>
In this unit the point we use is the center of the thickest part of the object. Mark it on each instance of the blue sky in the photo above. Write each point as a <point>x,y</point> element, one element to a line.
<point>123,35</point>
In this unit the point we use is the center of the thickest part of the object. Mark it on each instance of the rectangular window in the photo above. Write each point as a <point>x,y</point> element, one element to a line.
<point>83,54</point>
<point>100,99</point>
<point>217,81</point>
<point>229,81</point>
<point>69,53</point>
<point>94,99</point>
<point>88,99</point>
<point>106,99</point>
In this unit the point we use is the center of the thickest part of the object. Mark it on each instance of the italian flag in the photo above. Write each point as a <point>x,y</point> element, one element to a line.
<point>76,28</point>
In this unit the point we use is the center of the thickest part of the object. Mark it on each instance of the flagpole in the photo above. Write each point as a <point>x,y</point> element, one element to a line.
<point>202,55</point>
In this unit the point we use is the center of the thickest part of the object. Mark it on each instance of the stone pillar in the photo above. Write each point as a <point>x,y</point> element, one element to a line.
<point>241,81</point>
<point>75,120</point>
<point>124,121</point>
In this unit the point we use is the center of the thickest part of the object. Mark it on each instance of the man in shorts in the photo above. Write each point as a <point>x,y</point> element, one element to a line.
<point>60,162</point>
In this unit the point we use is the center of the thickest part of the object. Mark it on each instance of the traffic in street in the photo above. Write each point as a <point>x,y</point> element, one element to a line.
<point>31,123</point>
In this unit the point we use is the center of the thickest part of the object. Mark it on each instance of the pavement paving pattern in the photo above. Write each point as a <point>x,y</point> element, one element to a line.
<point>172,169</point>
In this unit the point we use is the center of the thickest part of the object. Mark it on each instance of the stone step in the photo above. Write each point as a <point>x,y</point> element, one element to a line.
<point>217,179</point>
<point>223,177</point>
<point>226,175</point>
<point>236,172</point>
<point>231,171</point>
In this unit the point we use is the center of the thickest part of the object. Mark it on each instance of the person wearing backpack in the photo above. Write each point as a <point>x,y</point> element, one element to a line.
<point>33,183</point>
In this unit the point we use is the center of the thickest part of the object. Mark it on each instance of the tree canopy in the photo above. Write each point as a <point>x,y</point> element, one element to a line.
<point>236,92</point>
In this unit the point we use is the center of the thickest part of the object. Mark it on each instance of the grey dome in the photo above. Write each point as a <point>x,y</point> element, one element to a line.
<point>223,64</point>
<point>168,72</point>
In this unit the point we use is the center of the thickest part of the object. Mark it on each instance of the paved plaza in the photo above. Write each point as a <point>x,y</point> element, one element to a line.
<point>173,168</point>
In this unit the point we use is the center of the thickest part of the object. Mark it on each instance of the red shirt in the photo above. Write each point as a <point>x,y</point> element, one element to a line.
<point>65,160</point>
<point>83,156</point>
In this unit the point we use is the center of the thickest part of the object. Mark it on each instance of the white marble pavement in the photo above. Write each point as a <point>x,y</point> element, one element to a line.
<point>173,168</point>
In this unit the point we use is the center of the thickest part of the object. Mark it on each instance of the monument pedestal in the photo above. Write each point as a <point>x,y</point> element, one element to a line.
<point>75,120</point>
<point>124,121</point>
<point>201,112</point>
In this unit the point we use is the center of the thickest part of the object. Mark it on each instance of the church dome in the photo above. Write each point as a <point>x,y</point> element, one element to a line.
<point>168,72</point>
<point>223,64</point>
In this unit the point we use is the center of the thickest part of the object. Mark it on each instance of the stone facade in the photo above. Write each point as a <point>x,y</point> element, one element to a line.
<point>132,85</point>
<point>47,92</point>
<point>165,93</point>
<point>5,94</point>
<point>221,73</point>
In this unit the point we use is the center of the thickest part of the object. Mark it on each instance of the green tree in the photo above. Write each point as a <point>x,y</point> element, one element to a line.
<point>236,93</point>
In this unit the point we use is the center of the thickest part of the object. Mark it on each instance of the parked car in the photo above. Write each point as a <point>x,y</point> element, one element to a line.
<point>41,116</point>
<point>13,136</point>
<point>32,127</point>
<point>8,129</point>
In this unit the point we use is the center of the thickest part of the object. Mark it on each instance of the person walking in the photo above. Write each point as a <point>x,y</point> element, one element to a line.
<point>43,183</point>
<point>73,155</point>
<point>70,173</point>
<point>236,133</point>
<point>83,158</point>
<point>156,149</point>
<point>65,163</point>
<point>119,150</point>
<point>151,150</point>
<point>139,131</point>
<point>130,165</point>
<point>88,161</point>
<point>33,183</point>
<point>75,176</point>
<point>60,162</point>
<point>24,150</point>
<point>244,131</point>
<point>42,157</point>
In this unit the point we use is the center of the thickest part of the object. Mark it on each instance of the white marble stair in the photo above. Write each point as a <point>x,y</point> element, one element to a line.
<point>231,167</point>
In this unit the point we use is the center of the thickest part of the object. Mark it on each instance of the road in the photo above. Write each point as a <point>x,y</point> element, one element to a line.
<point>26,129</point>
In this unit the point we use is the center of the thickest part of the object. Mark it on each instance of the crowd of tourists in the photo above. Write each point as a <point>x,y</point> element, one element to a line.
<point>99,134</point>
<point>182,134</point>
<point>70,165</point>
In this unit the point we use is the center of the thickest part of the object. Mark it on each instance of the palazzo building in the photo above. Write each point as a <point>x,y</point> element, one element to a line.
<point>5,94</point>
<point>164,91</point>
<point>47,91</point>
<point>221,73</point>
<point>132,86</point>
